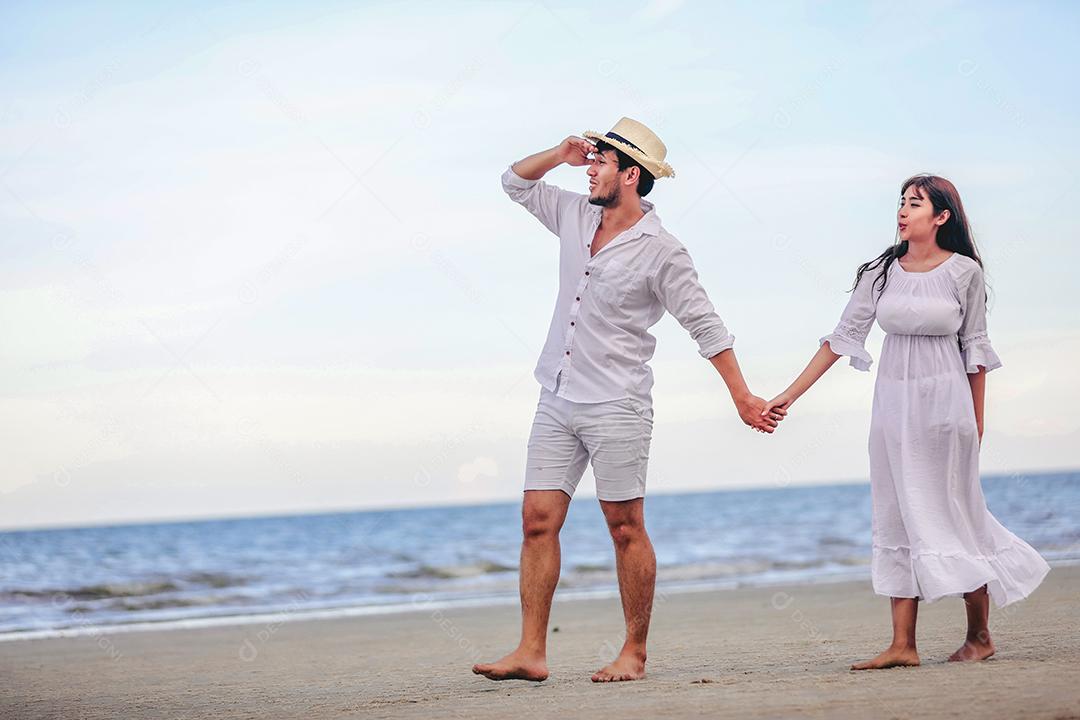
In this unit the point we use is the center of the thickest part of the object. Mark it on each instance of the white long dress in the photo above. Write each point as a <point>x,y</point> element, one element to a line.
<point>933,535</point>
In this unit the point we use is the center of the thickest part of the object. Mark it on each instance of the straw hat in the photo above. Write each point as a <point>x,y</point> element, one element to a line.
<point>640,143</point>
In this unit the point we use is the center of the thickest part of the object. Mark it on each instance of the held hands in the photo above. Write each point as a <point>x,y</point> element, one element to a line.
<point>756,413</point>
<point>779,405</point>
<point>822,361</point>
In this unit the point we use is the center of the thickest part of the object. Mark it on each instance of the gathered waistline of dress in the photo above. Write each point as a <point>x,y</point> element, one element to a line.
<point>952,336</point>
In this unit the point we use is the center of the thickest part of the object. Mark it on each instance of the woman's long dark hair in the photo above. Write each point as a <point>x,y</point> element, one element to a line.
<point>954,235</point>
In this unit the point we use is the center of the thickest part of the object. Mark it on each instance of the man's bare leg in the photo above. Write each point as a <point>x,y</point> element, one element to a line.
<point>902,651</point>
<point>635,563</point>
<point>542,515</point>
<point>977,645</point>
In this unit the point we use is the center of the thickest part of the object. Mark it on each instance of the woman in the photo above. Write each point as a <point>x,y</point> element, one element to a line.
<point>933,535</point>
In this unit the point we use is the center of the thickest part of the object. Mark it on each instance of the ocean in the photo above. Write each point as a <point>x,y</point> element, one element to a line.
<point>71,581</point>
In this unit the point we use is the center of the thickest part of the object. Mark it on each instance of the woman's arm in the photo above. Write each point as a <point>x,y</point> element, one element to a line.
<point>823,360</point>
<point>977,381</point>
<point>849,338</point>
<point>976,352</point>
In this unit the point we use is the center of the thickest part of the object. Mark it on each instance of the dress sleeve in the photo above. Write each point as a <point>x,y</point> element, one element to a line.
<point>548,203</point>
<point>678,289</point>
<point>849,336</point>
<point>975,348</point>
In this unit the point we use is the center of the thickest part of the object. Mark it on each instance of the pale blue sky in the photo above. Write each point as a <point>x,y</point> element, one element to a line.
<point>255,258</point>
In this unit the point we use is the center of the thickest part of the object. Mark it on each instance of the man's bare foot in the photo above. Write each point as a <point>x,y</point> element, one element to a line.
<point>893,657</point>
<point>518,665</point>
<point>974,649</point>
<point>628,666</point>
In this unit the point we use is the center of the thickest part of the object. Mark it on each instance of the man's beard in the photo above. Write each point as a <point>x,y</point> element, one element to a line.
<point>609,200</point>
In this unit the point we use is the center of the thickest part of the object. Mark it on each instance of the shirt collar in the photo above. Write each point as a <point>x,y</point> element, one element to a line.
<point>649,224</point>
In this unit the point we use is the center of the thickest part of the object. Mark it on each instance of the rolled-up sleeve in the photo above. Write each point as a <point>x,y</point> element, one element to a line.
<point>677,287</point>
<point>549,203</point>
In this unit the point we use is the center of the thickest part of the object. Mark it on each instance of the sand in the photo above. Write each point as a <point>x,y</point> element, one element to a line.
<point>746,653</point>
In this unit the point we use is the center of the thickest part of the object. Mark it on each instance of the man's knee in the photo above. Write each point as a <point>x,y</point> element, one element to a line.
<point>537,525</point>
<point>540,521</point>
<point>626,532</point>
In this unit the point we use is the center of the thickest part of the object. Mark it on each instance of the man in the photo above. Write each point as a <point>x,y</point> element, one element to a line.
<point>619,270</point>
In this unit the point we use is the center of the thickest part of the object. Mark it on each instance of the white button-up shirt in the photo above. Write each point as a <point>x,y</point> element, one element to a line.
<point>599,339</point>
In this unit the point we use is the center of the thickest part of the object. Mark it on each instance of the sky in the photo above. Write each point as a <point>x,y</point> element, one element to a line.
<point>255,258</point>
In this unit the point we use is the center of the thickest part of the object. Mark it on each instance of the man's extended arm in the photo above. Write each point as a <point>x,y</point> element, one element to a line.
<point>681,294</point>
<point>748,404</point>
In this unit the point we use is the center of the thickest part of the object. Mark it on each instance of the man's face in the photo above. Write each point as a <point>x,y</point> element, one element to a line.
<point>605,180</point>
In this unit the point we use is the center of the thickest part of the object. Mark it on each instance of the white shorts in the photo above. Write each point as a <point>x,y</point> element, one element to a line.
<point>565,435</point>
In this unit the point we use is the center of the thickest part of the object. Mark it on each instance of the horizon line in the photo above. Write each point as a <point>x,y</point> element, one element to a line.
<point>469,503</point>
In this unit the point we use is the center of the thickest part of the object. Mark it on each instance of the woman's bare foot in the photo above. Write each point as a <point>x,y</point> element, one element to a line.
<point>518,665</point>
<point>974,649</point>
<point>893,657</point>
<point>628,666</point>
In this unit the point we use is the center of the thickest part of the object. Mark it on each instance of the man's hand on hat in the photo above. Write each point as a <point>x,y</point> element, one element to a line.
<point>575,151</point>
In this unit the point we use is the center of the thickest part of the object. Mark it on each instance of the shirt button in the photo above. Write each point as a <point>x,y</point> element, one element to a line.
<point>578,299</point>
<point>571,322</point>
<point>586,272</point>
<point>567,352</point>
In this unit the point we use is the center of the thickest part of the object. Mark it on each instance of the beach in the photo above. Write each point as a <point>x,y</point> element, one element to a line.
<point>762,652</point>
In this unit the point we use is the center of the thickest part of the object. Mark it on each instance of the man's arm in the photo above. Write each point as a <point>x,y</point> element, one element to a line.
<point>677,287</point>
<point>572,151</point>
<point>548,203</point>
<point>748,404</point>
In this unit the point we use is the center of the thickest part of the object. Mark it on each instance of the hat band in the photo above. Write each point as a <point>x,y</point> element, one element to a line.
<point>621,139</point>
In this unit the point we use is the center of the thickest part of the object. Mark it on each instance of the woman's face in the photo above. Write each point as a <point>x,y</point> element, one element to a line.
<point>915,218</point>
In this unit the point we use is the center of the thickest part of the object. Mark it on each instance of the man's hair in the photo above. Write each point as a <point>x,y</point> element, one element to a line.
<point>645,179</point>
